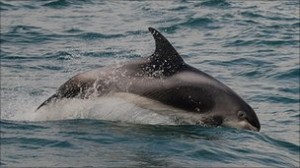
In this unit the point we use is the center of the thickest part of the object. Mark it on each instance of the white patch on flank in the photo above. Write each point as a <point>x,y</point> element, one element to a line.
<point>123,107</point>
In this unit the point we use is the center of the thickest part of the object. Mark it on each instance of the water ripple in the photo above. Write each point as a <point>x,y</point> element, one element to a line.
<point>95,36</point>
<point>6,6</point>
<point>216,3</point>
<point>262,43</point>
<point>59,4</point>
<point>257,15</point>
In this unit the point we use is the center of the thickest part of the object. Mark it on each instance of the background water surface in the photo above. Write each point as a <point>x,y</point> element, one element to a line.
<point>251,46</point>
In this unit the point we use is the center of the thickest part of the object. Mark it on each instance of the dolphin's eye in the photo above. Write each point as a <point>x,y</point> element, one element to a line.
<point>241,114</point>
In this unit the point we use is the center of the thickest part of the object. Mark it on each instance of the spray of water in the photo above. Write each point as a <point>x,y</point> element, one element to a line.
<point>111,108</point>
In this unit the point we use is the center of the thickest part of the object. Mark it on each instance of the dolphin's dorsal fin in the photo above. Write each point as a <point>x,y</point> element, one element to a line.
<point>165,57</point>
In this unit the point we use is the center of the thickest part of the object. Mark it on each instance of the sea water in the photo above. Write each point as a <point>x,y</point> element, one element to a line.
<point>251,46</point>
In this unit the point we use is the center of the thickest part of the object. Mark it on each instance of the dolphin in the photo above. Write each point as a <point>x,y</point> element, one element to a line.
<point>191,95</point>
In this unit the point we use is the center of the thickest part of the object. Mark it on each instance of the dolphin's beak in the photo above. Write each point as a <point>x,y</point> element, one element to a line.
<point>242,125</point>
<point>253,128</point>
<point>253,123</point>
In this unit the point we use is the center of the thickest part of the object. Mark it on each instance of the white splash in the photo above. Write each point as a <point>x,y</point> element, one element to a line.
<point>112,108</point>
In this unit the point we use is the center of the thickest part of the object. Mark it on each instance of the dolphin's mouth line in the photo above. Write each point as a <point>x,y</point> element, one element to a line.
<point>240,125</point>
<point>255,127</point>
<point>251,127</point>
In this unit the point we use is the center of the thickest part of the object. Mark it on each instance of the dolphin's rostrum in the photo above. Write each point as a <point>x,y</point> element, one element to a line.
<point>164,77</point>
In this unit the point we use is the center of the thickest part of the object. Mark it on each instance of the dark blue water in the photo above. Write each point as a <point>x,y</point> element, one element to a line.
<point>251,46</point>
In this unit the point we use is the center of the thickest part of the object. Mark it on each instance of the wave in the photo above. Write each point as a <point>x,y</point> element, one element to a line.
<point>189,142</point>
<point>251,14</point>
<point>59,4</point>
<point>6,6</point>
<point>216,3</point>
<point>197,22</point>
<point>96,36</point>
<point>23,34</point>
<point>193,23</point>
<point>261,43</point>
<point>277,99</point>
<point>291,74</point>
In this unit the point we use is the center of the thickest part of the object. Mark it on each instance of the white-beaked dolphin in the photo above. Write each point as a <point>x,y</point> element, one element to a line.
<point>165,78</point>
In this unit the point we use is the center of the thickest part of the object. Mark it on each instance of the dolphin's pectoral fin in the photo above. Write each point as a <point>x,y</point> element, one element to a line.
<point>165,58</point>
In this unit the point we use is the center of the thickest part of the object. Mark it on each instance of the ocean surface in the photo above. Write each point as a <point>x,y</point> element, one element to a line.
<point>251,46</point>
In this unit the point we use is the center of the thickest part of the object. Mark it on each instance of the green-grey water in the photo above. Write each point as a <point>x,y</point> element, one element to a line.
<point>251,46</point>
